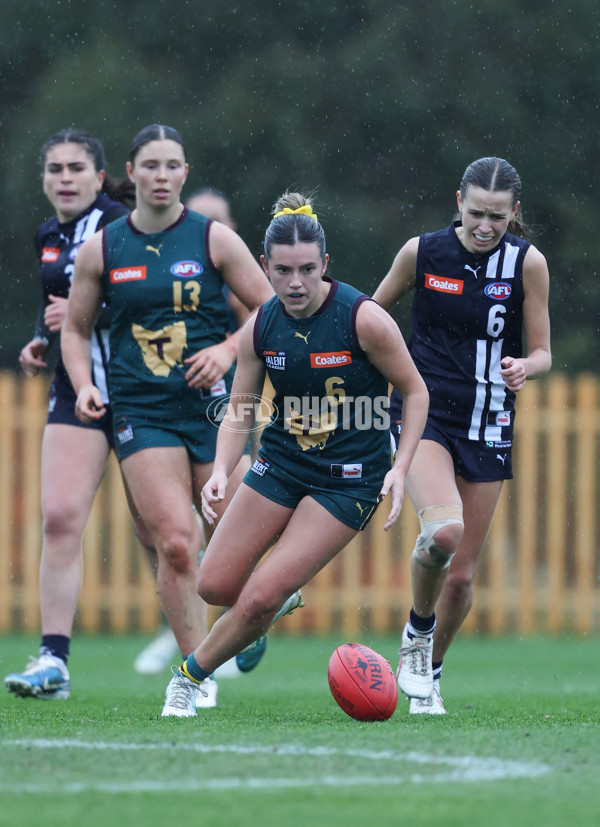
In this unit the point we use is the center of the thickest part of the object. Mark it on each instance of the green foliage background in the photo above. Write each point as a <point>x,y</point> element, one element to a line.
<point>378,105</point>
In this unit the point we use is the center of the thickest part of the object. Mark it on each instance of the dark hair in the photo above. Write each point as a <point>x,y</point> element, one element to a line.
<point>496,175</point>
<point>293,227</point>
<point>154,132</point>
<point>118,190</point>
<point>92,146</point>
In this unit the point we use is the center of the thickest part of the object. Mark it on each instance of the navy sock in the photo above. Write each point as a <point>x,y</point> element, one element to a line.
<point>422,625</point>
<point>437,669</point>
<point>190,669</point>
<point>57,645</point>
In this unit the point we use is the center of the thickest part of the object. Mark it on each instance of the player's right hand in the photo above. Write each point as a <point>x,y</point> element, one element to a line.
<point>89,405</point>
<point>212,493</point>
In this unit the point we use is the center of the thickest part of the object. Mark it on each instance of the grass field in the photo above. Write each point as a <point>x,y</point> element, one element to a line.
<point>521,745</point>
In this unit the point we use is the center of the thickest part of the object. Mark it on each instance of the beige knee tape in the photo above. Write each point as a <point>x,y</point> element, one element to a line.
<point>432,519</point>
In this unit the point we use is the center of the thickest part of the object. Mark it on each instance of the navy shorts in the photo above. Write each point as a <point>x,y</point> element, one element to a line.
<point>61,411</point>
<point>474,460</point>
<point>350,506</point>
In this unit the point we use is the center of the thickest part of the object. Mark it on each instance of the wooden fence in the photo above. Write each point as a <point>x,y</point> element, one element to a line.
<point>539,572</point>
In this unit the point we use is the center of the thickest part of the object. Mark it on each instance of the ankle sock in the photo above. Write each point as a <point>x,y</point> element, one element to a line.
<point>190,669</point>
<point>437,669</point>
<point>420,625</point>
<point>57,645</point>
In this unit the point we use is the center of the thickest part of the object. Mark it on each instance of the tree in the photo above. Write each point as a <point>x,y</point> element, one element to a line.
<point>379,106</point>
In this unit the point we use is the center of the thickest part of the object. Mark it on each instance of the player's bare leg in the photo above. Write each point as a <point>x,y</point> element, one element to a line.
<point>456,597</point>
<point>68,489</point>
<point>160,482</point>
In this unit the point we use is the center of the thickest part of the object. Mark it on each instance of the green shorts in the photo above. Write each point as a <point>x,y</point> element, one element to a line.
<point>350,505</point>
<point>196,434</point>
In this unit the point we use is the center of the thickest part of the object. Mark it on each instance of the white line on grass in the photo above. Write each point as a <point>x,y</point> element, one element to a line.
<point>457,768</point>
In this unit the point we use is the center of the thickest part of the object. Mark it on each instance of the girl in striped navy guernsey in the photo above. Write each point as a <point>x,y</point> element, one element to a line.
<point>479,284</point>
<point>323,461</point>
<point>83,199</point>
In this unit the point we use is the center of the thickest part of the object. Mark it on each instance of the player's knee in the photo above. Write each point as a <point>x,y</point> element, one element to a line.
<point>61,520</point>
<point>178,554</point>
<point>210,592</point>
<point>441,531</point>
<point>214,590</point>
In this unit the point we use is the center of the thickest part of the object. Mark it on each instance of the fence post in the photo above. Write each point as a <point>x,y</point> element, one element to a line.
<point>585,497</point>
<point>9,517</point>
<point>560,419</point>
<point>527,468</point>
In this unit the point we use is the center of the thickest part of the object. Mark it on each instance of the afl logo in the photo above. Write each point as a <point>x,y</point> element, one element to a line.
<point>186,269</point>
<point>498,291</point>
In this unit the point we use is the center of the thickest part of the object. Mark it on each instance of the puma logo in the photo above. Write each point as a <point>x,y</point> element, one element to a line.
<point>302,336</point>
<point>360,508</point>
<point>474,271</point>
<point>152,249</point>
<point>501,457</point>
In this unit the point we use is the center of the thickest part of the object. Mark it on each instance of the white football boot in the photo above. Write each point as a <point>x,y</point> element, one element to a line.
<point>415,673</point>
<point>433,705</point>
<point>180,697</point>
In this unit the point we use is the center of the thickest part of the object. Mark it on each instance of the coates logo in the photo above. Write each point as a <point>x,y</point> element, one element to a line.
<point>186,269</point>
<point>499,291</point>
<point>127,274</point>
<point>50,254</point>
<point>444,285</point>
<point>333,359</point>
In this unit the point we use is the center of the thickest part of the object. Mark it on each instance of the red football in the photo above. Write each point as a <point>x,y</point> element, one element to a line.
<point>362,682</point>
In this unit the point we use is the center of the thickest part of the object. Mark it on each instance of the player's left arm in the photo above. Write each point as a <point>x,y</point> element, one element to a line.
<point>384,345</point>
<point>536,325</point>
<point>246,280</point>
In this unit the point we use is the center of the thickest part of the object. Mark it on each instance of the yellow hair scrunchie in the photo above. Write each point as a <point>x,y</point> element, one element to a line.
<point>305,210</point>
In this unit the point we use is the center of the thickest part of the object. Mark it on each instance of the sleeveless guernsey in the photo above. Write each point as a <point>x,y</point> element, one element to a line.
<point>467,315</point>
<point>167,303</point>
<point>330,416</point>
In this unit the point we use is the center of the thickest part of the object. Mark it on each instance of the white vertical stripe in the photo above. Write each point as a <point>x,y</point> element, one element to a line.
<point>480,390</point>
<point>87,226</point>
<point>493,433</point>
<point>99,373</point>
<point>511,253</point>
<point>492,265</point>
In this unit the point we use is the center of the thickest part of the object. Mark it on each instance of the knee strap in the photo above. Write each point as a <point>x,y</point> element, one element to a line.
<point>432,519</point>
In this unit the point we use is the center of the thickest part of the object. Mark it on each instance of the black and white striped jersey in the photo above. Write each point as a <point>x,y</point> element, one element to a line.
<point>57,245</point>
<point>466,317</point>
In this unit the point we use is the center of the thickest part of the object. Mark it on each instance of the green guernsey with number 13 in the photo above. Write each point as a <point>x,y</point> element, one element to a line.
<point>167,303</point>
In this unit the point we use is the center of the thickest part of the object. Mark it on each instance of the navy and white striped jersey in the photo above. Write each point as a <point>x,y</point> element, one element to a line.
<point>466,317</point>
<point>57,245</point>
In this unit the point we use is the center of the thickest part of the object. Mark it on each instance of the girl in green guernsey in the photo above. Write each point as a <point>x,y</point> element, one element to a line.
<point>324,460</point>
<point>162,270</point>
